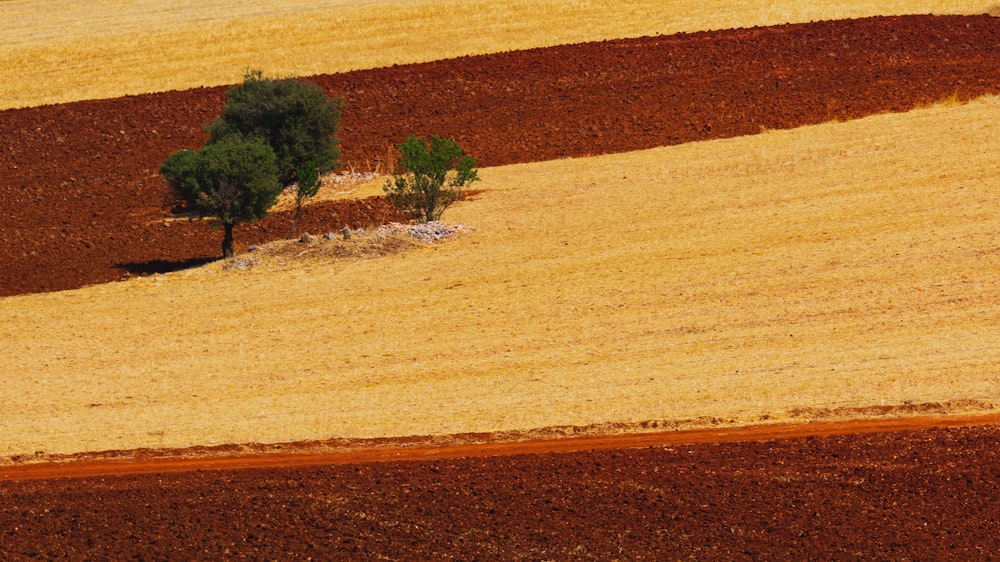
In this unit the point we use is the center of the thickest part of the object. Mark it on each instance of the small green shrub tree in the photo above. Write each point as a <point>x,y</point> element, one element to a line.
<point>293,116</point>
<point>233,180</point>
<point>307,186</point>
<point>432,177</point>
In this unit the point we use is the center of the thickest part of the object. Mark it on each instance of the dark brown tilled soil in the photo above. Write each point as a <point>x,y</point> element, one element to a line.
<point>912,495</point>
<point>81,201</point>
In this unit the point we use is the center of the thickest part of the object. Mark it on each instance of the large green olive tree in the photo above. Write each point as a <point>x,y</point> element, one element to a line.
<point>271,133</point>
<point>233,180</point>
<point>293,116</point>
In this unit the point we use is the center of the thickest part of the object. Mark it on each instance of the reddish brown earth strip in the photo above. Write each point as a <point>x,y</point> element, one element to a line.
<point>904,495</point>
<point>415,449</point>
<point>81,201</point>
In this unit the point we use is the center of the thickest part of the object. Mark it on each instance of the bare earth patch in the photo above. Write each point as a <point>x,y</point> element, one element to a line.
<point>907,495</point>
<point>346,243</point>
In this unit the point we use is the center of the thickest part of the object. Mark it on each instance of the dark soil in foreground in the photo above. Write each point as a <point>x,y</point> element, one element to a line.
<point>914,495</point>
<point>81,201</point>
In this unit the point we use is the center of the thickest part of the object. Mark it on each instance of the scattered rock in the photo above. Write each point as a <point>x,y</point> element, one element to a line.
<point>349,243</point>
<point>428,233</point>
<point>349,176</point>
<point>240,264</point>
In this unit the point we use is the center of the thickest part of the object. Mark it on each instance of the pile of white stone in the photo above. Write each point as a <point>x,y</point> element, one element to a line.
<point>427,232</point>
<point>351,177</point>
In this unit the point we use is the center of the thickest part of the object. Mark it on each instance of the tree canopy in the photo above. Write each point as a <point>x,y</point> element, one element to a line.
<point>432,177</point>
<point>233,180</point>
<point>293,116</point>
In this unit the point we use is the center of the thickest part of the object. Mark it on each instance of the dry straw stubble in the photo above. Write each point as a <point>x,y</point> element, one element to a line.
<point>848,264</point>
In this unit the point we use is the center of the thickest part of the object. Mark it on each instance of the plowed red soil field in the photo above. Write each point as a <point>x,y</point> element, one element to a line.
<point>81,203</point>
<point>905,495</point>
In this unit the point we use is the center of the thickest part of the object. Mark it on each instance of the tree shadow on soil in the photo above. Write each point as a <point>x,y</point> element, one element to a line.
<point>154,267</point>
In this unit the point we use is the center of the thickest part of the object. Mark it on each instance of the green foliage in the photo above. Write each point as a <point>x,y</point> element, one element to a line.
<point>270,134</point>
<point>308,186</point>
<point>234,180</point>
<point>432,178</point>
<point>293,116</point>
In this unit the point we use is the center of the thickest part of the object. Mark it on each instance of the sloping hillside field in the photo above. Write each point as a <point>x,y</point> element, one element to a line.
<point>83,203</point>
<point>785,225</point>
<point>56,51</point>
<point>771,277</point>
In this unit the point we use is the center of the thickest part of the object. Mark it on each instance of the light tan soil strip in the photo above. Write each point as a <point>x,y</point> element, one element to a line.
<point>89,469</point>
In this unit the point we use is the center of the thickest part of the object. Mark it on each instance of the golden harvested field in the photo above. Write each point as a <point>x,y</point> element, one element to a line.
<point>55,51</point>
<point>764,277</point>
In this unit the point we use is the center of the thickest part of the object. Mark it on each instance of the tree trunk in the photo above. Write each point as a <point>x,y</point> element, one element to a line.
<point>227,241</point>
<point>295,218</point>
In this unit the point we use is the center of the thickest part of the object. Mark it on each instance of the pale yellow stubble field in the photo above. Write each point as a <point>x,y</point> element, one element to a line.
<point>54,51</point>
<point>842,265</point>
